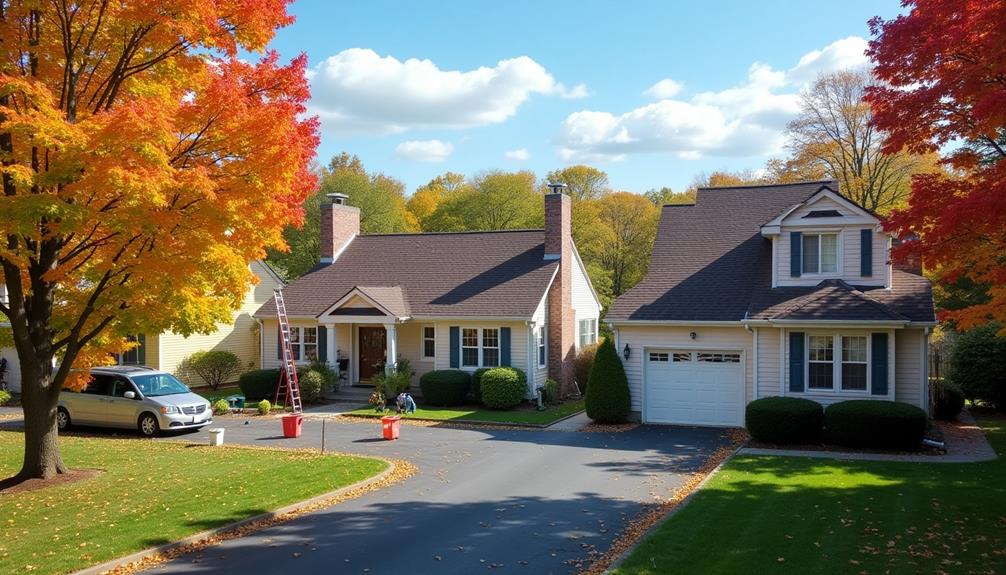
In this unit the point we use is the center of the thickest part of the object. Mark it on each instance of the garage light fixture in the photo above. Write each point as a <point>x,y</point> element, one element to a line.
<point>625,352</point>
<point>693,335</point>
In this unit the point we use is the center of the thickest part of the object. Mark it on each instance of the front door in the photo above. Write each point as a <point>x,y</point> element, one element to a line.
<point>373,341</point>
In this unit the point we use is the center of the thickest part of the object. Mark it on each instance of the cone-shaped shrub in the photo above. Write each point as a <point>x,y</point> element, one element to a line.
<point>608,399</point>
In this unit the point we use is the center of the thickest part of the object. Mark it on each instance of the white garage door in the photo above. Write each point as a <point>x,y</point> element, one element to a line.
<point>13,375</point>
<point>694,387</point>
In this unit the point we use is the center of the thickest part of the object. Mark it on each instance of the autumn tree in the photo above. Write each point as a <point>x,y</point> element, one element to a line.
<point>949,89</point>
<point>494,200</point>
<point>628,223</point>
<point>423,203</point>
<point>666,196</point>
<point>834,136</point>
<point>144,164</point>
<point>722,178</point>
<point>582,182</point>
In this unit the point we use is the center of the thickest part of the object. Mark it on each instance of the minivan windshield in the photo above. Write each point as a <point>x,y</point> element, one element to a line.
<point>157,384</point>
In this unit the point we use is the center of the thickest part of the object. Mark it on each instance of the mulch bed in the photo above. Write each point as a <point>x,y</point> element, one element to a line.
<point>71,476</point>
<point>841,449</point>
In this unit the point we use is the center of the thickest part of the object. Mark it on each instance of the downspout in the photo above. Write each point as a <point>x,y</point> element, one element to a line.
<point>754,366</point>
<point>261,342</point>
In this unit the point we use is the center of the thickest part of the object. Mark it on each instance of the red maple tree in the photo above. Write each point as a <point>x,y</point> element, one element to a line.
<point>944,65</point>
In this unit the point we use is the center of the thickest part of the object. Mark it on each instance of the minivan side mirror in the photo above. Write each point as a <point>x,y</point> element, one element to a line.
<point>129,395</point>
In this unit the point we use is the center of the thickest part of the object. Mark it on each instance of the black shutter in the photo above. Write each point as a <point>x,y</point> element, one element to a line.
<point>796,361</point>
<point>323,343</point>
<point>866,253</point>
<point>505,346</point>
<point>455,347</point>
<point>878,364</point>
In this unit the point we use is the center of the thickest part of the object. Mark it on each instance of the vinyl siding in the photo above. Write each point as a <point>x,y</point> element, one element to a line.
<point>239,337</point>
<point>539,374</point>
<point>908,369</point>
<point>583,298</point>
<point>769,380</point>
<point>518,342</point>
<point>849,263</point>
<point>640,338</point>
<point>822,204</point>
<point>829,397</point>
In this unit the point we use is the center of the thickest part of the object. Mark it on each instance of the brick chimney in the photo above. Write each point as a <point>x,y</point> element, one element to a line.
<point>910,261</point>
<point>339,225</point>
<point>559,246</point>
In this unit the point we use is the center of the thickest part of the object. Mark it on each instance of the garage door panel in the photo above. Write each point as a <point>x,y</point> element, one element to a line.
<point>694,392</point>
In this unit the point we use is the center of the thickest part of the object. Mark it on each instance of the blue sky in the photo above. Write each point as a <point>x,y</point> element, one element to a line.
<point>653,93</point>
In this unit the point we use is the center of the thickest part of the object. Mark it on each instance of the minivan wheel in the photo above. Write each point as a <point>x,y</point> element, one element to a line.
<point>148,425</point>
<point>62,419</point>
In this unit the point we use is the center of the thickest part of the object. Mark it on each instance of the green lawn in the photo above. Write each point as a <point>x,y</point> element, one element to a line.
<point>479,414</point>
<point>804,515</point>
<point>151,493</point>
<point>223,392</point>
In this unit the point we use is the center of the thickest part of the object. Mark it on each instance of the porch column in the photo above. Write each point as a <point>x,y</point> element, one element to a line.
<point>392,347</point>
<point>333,361</point>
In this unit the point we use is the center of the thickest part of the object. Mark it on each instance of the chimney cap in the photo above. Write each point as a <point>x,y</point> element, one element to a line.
<point>556,187</point>
<point>337,198</point>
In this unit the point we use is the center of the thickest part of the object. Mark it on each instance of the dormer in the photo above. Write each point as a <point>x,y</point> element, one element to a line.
<point>828,237</point>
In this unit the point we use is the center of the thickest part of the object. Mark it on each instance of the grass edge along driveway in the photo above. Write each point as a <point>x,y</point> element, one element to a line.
<point>770,514</point>
<point>475,414</point>
<point>150,493</point>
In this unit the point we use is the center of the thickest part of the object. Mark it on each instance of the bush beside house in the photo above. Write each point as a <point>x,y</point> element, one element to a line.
<point>978,366</point>
<point>214,367</point>
<point>476,389</point>
<point>948,400</point>
<point>581,366</point>
<point>878,424</point>
<point>608,399</point>
<point>259,384</point>
<point>4,397</point>
<point>785,420</point>
<point>311,383</point>
<point>445,386</point>
<point>550,393</point>
<point>503,387</point>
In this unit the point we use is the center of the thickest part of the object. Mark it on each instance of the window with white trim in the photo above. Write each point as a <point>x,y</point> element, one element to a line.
<point>588,332</point>
<point>480,347</point>
<point>303,344</point>
<point>470,347</point>
<point>542,349</point>
<point>658,356</point>
<point>854,362</point>
<point>820,253</point>
<point>490,347</point>
<point>821,362</point>
<point>429,342</point>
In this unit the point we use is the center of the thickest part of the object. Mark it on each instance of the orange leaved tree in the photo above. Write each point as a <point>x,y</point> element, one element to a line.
<point>144,164</point>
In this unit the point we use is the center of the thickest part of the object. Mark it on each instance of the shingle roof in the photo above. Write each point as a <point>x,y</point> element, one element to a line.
<point>466,274</point>
<point>710,263</point>
<point>390,298</point>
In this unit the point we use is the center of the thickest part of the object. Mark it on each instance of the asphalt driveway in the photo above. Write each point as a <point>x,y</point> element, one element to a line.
<point>508,501</point>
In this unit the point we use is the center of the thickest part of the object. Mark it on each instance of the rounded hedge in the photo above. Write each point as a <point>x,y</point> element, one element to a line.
<point>608,398</point>
<point>783,420</point>
<point>477,381</point>
<point>264,407</point>
<point>948,400</point>
<point>978,365</point>
<point>879,424</point>
<point>503,387</point>
<point>4,397</point>
<point>310,383</point>
<point>582,365</point>
<point>259,384</point>
<point>445,386</point>
<point>220,407</point>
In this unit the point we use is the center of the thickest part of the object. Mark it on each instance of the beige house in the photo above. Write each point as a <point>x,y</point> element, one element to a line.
<point>166,351</point>
<point>780,290</point>
<point>461,300</point>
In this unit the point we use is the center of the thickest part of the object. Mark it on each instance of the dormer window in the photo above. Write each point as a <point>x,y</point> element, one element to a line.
<point>820,253</point>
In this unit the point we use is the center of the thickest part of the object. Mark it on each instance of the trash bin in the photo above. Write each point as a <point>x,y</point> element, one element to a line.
<point>217,436</point>
<point>292,425</point>
<point>390,425</point>
<point>236,401</point>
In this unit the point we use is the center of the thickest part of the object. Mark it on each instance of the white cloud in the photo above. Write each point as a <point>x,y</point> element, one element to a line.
<point>664,89</point>
<point>518,155</point>
<point>359,91</point>
<point>424,150</point>
<point>743,121</point>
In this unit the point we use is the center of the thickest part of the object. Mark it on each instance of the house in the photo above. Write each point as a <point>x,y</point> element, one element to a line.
<point>166,351</point>
<point>460,300</point>
<point>777,290</point>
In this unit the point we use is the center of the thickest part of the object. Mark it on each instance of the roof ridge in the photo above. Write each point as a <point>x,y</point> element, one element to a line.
<point>773,185</point>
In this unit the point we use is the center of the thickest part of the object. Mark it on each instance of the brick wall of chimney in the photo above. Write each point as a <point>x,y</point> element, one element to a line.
<point>339,223</point>
<point>561,317</point>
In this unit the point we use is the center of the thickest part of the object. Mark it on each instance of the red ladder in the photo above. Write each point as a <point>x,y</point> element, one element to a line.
<point>288,387</point>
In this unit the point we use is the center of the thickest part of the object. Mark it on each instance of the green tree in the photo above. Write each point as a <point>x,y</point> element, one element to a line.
<point>627,223</point>
<point>426,199</point>
<point>582,182</point>
<point>608,397</point>
<point>666,196</point>
<point>495,200</point>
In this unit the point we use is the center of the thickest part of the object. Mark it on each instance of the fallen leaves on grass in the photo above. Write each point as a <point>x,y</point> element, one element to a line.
<point>401,470</point>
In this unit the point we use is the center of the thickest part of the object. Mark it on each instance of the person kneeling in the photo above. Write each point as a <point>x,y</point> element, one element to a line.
<point>405,403</point>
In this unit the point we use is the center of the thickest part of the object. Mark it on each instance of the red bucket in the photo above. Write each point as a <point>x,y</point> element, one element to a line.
<point>390,426</point>
<point>292,425</point>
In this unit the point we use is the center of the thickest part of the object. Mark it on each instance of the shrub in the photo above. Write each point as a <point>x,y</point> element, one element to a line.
<point>581,366</point>
<point>551,392</point>
<point>264,407</point>
<point>785,420</point>
<point>221,407</point>
<point>330,375</point>
<point>391,384</point>
<point>259,384</point>
<point>311,383</point>
<point>503,387</point>
<point>477,382</point>
<point>213,367</point>
<point>978,366</point>
<point>608,399</point>
<point>4,397</point>
<point>445,386</point>
<point>948,400</point>
<point>880,424</point>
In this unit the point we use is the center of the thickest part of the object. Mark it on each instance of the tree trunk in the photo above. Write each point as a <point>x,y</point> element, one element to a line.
<point>42,458</point>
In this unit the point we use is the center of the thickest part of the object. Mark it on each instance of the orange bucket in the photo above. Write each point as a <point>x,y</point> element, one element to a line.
<point>390,426</point>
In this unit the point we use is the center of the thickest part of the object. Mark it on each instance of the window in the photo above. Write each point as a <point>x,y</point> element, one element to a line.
<point>660,357</point>
<point>820,253</point>
<point>720,357</point>
<point>121,387</point>
<point>588,332</point>
<point>303,343</point>
<point>429,342</point>
<point>470,347</point>
<point>131,357</point>
<point>854,363</point>
<point>542,350</point>
<point>99,385</point>
<point>821,362</point>
<point>681,356</point>
<point>490,347</point>
<point>310,343</point>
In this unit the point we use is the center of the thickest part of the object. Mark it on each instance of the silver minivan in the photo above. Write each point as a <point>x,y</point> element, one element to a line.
<point>133,397</point>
